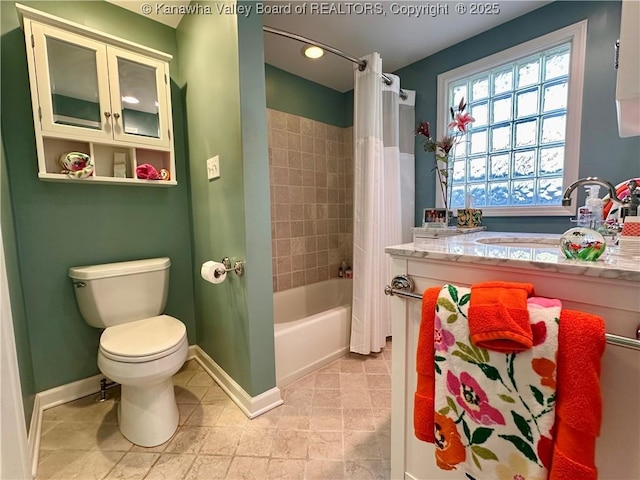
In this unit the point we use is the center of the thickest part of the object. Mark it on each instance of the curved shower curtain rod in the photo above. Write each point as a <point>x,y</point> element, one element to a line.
<point>362,64</point>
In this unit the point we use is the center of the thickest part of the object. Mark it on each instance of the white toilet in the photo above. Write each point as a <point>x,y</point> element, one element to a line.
<point>139,348</point>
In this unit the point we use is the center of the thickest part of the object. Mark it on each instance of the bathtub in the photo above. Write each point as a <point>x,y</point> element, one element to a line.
<point>312,327</point>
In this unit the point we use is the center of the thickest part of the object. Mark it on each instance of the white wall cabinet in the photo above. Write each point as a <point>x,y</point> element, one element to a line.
<point>628,81</point>
<point>99,95</point>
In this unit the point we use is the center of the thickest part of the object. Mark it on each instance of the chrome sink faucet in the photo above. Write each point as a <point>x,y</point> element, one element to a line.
<point>629,204</point>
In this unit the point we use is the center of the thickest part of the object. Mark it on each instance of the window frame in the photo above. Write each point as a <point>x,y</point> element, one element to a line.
<point>576,34</point>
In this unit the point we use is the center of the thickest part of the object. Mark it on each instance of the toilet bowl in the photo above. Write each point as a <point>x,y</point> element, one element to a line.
<point>139,348</point>
<point>142,357</point>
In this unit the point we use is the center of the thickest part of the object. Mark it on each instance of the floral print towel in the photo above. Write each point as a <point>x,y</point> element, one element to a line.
<point>494,411</point>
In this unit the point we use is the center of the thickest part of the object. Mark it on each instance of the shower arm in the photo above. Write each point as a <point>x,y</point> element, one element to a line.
<point>362,64</point>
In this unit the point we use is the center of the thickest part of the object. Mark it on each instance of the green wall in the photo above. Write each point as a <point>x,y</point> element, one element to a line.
<point>290,93</point>
<point>257,201</point>
<point>211,80</point>
<point>59,225</point>
<point>602,152</point>
<point>20,328</point>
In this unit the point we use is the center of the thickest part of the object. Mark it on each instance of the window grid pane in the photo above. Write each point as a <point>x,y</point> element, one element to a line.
<point>513,154</point>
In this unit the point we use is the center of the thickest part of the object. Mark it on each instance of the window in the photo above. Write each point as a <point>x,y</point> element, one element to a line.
<point>523,148</point>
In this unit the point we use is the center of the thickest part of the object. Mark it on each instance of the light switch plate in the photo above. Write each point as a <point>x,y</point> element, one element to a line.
<point>213,168</point>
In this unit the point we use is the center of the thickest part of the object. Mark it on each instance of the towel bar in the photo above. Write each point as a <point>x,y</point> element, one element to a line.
<point>403,285</point>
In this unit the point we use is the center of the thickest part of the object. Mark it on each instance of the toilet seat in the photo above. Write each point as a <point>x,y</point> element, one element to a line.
<point>143,340</point>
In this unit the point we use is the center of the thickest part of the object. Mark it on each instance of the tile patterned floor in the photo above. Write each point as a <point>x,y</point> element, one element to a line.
<point>334,424</point>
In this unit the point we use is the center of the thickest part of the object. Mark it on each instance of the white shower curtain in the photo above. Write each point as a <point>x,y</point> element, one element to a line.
<point>407,120</point>
<point>377,203</point>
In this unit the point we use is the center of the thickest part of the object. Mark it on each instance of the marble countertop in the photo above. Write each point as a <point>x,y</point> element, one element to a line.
<point>522,250</point>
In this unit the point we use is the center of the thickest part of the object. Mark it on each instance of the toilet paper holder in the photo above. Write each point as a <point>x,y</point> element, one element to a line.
<point>238,267</point>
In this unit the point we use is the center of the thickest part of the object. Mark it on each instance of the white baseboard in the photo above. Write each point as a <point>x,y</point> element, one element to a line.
<point>52,398</point>
<point>251,406</point>
<point>33,438</point>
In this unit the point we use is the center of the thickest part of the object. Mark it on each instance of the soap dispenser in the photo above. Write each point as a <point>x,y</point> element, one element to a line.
<point>585,215</point>
<point>590,215</point>
<point>595,206</point>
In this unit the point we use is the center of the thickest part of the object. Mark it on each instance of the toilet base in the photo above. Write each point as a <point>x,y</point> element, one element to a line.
<point>148,416</point>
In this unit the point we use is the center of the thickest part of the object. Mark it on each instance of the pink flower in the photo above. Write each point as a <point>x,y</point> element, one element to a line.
<point>442,339</point>
<point>472,398</point>
<point>461,120</point>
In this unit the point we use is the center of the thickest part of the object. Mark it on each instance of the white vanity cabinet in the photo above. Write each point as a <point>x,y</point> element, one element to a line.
<point>99,95</point>
<point>613,294</point>
<point>628,64</point>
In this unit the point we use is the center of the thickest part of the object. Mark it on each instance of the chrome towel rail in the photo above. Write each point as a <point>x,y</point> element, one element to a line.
<point>403,286</point>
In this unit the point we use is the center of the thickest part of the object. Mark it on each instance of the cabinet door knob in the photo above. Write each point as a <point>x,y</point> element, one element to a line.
<point>107,114</point>
<point>116,116</point>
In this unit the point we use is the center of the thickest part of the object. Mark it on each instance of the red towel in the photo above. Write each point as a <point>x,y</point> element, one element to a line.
<point>498,316</point>
<point>147,172</point>
<point>581,339</point>
<point>581,343</point>
<point>425,391</point>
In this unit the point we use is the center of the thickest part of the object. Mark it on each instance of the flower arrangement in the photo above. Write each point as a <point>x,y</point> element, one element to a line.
<point>443,147</point>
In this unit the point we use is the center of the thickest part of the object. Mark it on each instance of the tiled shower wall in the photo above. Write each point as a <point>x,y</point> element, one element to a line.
<point>311,167</point>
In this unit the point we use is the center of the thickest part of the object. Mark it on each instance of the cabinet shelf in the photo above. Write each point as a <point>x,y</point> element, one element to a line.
<point>103,158</point>
<point>61,177</point>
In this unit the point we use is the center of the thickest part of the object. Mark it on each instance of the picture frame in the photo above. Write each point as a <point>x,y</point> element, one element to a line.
<point>434,217</point>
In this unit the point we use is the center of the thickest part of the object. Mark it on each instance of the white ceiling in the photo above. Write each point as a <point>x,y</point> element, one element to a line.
<point>400,39</point>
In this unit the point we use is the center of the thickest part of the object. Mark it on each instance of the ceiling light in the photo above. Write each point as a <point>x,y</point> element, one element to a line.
<point>132,100</point>
<point>312,52</point>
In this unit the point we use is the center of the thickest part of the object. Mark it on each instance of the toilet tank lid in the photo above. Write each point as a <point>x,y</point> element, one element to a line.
<point>91,272</point>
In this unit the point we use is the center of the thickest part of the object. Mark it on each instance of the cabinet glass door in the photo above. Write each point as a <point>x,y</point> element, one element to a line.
<point>73,86</point>
<point>138,87</point>
<point>138,93</point>
<point>73,81</point>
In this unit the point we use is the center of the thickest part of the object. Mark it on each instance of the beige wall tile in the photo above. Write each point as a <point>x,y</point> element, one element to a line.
<point>293,123</point>
<point>311,199</point>
<point>297,279</point>
<point>280,175</point>
<point>306,126</point>
<point>297,228</point>
<point>279,139</point>
<point>296,211</point>
<point>283,230</point>
<point>293,140</point>
<point>294,159</point>
<point>284,282</point>
<point>297,262</point>
<point>295,177</point>
<point>278,157</point>
<point>306,143</point>
<point>283,247</point>
<point>276,119</point>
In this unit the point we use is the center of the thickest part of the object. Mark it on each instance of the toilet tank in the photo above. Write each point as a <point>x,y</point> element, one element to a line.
<point>115,293</point>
